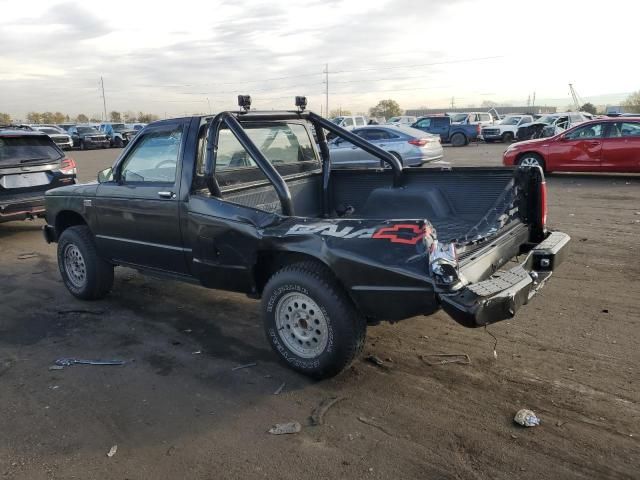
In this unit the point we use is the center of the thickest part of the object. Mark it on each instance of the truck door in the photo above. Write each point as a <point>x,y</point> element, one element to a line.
<point>137,216</point>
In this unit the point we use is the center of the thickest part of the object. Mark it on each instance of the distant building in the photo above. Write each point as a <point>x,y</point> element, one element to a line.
<point>501,110</point>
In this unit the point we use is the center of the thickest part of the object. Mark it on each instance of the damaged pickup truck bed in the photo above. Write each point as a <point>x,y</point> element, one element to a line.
<point>247,201</point>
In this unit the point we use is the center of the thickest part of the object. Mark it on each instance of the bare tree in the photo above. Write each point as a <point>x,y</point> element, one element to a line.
<point>5,118</point>
<point>386,108</point>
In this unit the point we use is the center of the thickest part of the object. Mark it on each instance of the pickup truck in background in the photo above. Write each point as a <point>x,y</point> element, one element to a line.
<point>472,118</point>
<point>506,129</point>
<point>458,134</point>
<point>247,202</point>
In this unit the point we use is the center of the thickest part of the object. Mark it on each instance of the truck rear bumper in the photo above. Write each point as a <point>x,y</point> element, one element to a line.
<point>500,296</point>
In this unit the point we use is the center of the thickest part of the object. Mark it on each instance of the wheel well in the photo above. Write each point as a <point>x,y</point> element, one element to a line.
<point>66,219</point>
<point>269,263</point>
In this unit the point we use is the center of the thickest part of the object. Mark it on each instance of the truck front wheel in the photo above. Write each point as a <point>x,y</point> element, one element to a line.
<point>84,273</point>
<point>507,137</point>
<point>310,322</point>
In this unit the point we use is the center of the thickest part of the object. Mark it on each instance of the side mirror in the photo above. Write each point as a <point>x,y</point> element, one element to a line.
<point>105,175</point>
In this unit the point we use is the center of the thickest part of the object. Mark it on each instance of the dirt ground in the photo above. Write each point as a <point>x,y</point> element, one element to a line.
<point>178,409</point>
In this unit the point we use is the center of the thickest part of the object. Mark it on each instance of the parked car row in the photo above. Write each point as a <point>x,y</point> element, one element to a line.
<point>102,135</point>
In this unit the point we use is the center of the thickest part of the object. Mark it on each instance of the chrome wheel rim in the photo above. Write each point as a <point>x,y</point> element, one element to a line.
<point>530,162</point>
<point>301,325</point>
<point>74,266</point>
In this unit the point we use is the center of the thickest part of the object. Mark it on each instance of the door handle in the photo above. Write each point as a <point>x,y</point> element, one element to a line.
<point>166,195</point>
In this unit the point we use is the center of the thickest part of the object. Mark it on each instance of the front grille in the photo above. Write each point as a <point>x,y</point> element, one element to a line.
<point>61,140</point>
<point>490,131</point>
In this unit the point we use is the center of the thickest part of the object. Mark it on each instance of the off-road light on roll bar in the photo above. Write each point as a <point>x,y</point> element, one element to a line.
<point>244,102</point>
<point>301,103</point>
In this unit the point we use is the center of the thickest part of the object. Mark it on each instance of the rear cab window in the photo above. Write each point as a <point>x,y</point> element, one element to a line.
<point>287,146</point>
<point>27,150</point>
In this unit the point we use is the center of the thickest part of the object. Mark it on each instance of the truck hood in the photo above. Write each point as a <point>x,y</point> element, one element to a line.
<point>82,190</point>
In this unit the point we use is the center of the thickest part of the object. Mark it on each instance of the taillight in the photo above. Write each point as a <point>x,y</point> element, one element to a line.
<point>419,142</point>
<point>543,205</point>
<point>68,166</point>
<point>478,129</point>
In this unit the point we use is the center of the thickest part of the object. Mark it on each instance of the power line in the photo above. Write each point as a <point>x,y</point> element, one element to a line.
<point>337,72</point>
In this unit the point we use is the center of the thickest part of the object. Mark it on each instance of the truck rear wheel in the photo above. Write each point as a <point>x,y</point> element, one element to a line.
<point>84,273</point>
<point>310,322</point>
<point>458,140</point>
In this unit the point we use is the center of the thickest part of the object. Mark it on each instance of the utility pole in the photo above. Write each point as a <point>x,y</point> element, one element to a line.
<point>533,104</point>
<point>453,103</point>
<point>104,100</point>
<point>326,92</point>
<point>209,103</point>
<point>529,101</point>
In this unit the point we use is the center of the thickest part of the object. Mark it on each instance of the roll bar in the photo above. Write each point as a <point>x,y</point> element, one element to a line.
<point>233,121</point>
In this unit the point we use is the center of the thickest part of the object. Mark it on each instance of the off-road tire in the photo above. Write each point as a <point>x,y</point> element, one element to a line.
<point>98,273</point>
<point>345,326</point>
<point>118,143</point>
<point>458,140</point>
<point>82,145</point>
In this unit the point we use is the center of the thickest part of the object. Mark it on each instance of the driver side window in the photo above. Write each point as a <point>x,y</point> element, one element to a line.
<point>586,132</point>
<point>154,158</point>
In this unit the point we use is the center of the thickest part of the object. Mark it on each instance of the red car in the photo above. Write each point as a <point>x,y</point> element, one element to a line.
<point>603,145</point>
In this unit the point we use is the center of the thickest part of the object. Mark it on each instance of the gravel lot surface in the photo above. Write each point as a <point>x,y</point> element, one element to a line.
<point>179,410</point>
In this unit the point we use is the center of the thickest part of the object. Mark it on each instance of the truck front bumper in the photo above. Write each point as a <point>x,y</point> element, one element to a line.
<point>500,296</point>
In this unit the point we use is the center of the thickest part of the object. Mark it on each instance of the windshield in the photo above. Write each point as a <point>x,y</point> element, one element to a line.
<point>458,117</point>
<point>337,120</point>
<point>118,127</point>
<point>27,149</point>
<point>87,130</point>
<point>547,119</point>
<point>394,119</point>
<point>49,131</point>
<point>510,121</point>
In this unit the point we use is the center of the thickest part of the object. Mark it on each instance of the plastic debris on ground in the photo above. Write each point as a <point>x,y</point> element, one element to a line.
<point>66,362</point>
<point>526,418</point>
<point>112,451</point>
<point>285,428</point>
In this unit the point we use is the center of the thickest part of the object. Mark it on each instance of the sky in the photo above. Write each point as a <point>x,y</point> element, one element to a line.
<point>176,58</point>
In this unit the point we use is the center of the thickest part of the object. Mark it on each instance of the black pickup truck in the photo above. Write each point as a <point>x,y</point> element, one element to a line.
<point>247,201</point>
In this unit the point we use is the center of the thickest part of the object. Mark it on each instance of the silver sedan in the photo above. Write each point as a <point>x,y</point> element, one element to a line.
<point>411,146</point>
